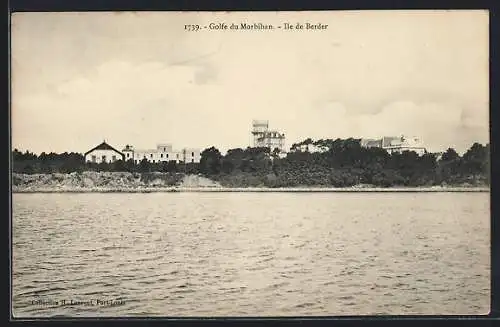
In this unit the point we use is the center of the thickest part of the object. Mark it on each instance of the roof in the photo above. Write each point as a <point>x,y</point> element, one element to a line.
<point>371,143</point>
<point>374,143</point>
<point>128,147</point>
<point>387,140</point>
<point>104,146</point>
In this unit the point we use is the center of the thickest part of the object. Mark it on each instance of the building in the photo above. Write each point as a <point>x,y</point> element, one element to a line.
<point>103,153</point>
<point>393,144</point>
<point>371,143</point>
<point>401,144</point>
<point>163,153</point>
<point>311,148</point>
<point>264,137</point>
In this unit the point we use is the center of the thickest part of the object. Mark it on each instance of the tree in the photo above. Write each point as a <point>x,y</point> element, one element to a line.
<point>16,155</point>
<point>130,165</point>
<point>210,162</point>
<point>275,153</point>
<point>450,155</point>
<point>233,160</point>
<point>144,166</point>
<point>172,166</point>
<point>256,159</point>
<point>192,168</point>
<point>104,166</point>
<point>476,160</point>
<point>118,165</point>
<point>227,166</point>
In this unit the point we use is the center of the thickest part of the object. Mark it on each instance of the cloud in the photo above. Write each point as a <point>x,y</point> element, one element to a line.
<point>139,79</point>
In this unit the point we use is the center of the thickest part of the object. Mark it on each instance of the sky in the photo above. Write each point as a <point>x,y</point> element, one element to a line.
<point>140,78</point>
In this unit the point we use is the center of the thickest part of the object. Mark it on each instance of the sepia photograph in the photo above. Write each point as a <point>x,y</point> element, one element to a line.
<point>250,164</point>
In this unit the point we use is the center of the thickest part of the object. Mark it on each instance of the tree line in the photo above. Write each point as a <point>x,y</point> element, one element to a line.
<point>29,163</point>
<point>344,162</point>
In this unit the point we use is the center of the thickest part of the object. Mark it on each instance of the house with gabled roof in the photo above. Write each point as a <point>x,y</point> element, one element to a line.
<point>103,153</point>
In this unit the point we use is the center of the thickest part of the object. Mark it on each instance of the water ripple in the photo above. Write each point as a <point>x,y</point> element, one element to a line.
<point>211,254</point>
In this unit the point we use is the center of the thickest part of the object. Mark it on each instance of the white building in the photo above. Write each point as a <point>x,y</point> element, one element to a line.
<point>311,148</point>
<point>191,155</point>
<point>162,153</point>
<point>396,144</point>
<point>264,137</point>
<point>103,153</point>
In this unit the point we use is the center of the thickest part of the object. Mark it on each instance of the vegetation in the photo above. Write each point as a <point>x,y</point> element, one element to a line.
<point>343,163</point>
<point>30,163</point>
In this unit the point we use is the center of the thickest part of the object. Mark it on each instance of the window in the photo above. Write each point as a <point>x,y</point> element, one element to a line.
<point>153,161</point>
<point>161,155</point>
<point>103,158</point>
<point>113,158</point>
<point>167,155</point>
<point>128,155</point>
<point>151,155</point>
<point>192,160</point>
<point>192,154</point>
<point>94,158</point>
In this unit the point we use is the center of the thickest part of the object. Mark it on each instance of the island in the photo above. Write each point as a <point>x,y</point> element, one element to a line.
<point>344,167</point>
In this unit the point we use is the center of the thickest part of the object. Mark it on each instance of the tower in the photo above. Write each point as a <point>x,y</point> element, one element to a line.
<point>259,130</point>
<point>128,152</point>
<point>264,137</point>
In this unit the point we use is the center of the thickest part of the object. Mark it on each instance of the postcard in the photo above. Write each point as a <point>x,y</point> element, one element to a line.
<point>250,164</point>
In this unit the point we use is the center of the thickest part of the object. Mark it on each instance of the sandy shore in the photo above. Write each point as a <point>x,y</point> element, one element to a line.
<point>248,189</point>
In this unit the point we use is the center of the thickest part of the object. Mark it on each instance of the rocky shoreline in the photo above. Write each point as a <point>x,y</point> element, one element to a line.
<point>116,182</point>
